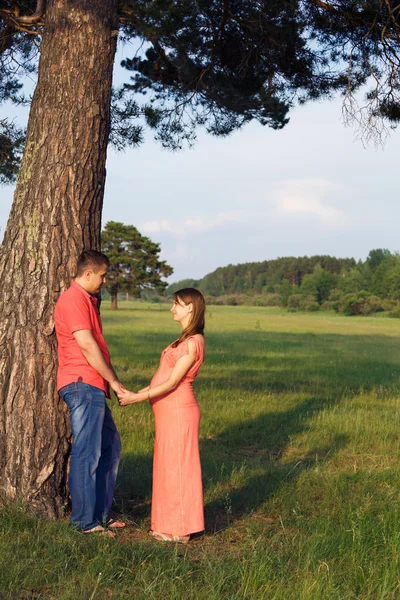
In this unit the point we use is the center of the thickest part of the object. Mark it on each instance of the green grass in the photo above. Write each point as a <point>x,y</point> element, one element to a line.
<point>300,454</point>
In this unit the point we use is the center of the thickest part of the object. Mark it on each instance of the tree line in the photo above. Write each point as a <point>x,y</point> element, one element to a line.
<point>308,283</point>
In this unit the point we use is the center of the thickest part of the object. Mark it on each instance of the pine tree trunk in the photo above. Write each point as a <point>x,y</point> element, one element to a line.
<point>56,213</point>
<point>114,300</point>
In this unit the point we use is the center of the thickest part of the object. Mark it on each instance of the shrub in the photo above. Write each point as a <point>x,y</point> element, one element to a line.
<point>268,300</point>
<point>372,304</point>
<point>295,302</point>
<point>395,313</point>
<point>389,304</point>
<point>327,305</point>
<point>361,304</point>
<point>312,306</point>
<point>214,300</point>
<point>245,300</point>
<point>302,302</point>
<point>352,305</point>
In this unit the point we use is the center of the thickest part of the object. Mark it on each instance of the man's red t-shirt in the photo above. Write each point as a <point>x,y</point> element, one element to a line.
<point>75,310</point>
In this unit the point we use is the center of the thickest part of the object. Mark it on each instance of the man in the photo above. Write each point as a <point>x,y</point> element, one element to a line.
<point>84,378</point>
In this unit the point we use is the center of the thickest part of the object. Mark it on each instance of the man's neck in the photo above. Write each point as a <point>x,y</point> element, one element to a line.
<point>81,282</point>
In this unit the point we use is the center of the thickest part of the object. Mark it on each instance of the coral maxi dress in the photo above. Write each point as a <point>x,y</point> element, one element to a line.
<point>177,502</point>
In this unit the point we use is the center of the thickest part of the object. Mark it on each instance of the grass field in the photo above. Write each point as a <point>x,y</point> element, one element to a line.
<point>300,454</point>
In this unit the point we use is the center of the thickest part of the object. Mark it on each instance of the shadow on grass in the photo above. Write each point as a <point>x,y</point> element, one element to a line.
<point>253,360</point>
<point>322,367</point>
<point>260,445</point>
<point>255,445</point>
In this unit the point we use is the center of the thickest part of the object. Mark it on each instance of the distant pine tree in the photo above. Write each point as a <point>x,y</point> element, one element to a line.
<point>134,261</point>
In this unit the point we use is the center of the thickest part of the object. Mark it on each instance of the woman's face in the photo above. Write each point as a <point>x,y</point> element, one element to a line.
<point>182,312</point>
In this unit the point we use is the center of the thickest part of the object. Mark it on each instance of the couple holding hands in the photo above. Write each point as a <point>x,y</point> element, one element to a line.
<point>85,376</point>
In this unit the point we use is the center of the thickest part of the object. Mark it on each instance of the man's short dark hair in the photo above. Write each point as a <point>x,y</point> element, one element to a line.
<point>91,259</point>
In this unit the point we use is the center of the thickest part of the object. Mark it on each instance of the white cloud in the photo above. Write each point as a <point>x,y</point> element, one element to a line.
<point>308,197</point>
<point>184,227</point>
<point>155,226</point>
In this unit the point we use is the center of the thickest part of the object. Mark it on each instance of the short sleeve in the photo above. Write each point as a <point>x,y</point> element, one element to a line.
<point>76,315</point>
<point>183,348</point>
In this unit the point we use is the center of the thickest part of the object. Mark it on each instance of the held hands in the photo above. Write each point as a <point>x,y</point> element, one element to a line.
<point>126,397</point>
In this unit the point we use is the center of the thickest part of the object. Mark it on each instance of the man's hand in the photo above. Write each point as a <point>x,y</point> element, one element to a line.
<point>117,388</point>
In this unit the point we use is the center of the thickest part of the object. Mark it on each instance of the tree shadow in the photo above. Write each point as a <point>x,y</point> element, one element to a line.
<point>258,444</point>
<point>256,361</point>
<point>284,361</point>
<point>323,369</point>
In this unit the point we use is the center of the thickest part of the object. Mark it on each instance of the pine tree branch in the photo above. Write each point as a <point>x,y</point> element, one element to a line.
<point>32,19</point>
<point>324,5</point>
<point>21,23</point>
<point>373,19</point>
<point>163,55</point>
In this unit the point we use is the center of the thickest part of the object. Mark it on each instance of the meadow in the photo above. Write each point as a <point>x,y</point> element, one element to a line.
<point>300,455</point>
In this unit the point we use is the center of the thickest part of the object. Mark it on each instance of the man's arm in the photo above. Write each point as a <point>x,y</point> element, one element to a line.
<point>94,356</point>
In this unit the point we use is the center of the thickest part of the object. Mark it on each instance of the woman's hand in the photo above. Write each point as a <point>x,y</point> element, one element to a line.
<point>126,397</point>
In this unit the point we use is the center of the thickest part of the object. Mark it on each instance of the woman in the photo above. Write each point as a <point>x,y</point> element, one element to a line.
<point>177,502</point>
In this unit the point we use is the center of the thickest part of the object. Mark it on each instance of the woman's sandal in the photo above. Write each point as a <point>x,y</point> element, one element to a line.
<point>164,537</point>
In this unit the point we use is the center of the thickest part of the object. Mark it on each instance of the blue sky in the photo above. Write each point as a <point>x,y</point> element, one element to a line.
<point>310,188</point>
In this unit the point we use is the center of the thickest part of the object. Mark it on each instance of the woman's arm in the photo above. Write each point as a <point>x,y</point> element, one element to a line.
<point>182,366</point>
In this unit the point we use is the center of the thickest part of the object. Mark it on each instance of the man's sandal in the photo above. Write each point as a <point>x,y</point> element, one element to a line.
<point>115,524</point>
<point>100,531</point>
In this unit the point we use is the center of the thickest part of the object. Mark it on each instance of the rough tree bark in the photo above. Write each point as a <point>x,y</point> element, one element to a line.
<point>56,212</point>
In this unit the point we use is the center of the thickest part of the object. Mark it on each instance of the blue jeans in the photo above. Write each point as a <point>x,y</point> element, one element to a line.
<point>95,454</point>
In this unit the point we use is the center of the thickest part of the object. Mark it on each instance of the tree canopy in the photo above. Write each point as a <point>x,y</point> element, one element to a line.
<point>222,64</point>
<point>134,261</point>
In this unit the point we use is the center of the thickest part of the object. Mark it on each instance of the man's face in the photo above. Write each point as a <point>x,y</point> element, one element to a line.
<point>96,280</point>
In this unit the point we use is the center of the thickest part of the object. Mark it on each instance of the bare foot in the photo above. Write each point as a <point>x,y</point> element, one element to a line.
<point>115,524</point>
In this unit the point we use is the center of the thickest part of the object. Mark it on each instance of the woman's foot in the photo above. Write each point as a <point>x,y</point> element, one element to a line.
<point>165,537</point>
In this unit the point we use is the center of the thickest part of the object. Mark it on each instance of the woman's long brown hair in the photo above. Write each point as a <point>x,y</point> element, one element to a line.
<point>196,324</point>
